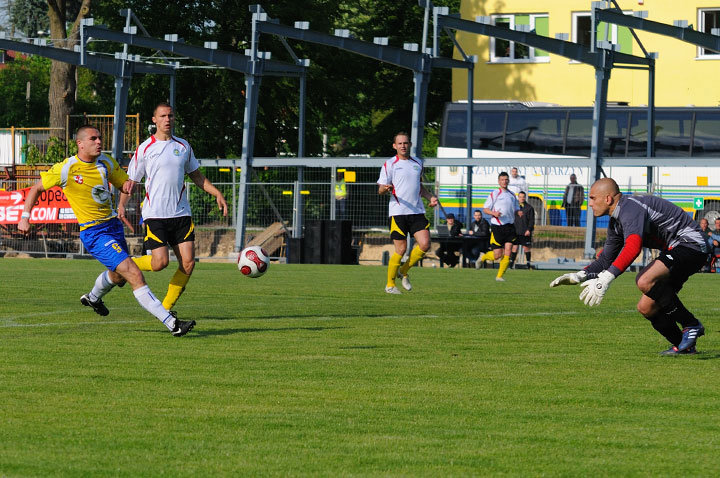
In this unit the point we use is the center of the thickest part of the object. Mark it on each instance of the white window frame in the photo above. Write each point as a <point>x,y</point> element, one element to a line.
<point>531,50</point>
<point>701,55</point>
<point>613,29</point>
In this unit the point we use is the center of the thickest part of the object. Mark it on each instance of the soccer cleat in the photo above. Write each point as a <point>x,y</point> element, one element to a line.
<point>392,290</point>
<point>406,283</point>
<point>98,306</point>
<point>673,351</point>
<point>173,313</point>
<point>499,279</point>
<point>182,327</point>
<point>690,336</point>
<point>478,264</point>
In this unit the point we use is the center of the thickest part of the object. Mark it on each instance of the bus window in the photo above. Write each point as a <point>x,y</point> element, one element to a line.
<point>706,141</point>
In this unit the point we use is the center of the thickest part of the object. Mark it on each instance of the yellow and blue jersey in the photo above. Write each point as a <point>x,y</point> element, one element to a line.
<point>87,187</point>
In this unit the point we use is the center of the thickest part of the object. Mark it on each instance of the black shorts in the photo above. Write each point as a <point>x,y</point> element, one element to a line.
<point>523,240</point>
<point>401,226</point>
<point>682,262</point>
<point>168,232</point>
<point>501,235</point>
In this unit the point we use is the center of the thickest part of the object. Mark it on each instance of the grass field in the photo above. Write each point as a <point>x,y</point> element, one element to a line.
<point>314,370</point>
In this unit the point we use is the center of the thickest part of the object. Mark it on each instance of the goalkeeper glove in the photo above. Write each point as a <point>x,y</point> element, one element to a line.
<point>594,289</point>
<point>570,279</point>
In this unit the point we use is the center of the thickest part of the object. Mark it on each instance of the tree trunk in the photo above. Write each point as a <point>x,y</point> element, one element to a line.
<point>61,95</point>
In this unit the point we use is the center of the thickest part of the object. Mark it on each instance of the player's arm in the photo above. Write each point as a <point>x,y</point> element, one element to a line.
<point>204,183</point>
<point>432,199</point>
<point>33,193</point>
<point>384,188</point>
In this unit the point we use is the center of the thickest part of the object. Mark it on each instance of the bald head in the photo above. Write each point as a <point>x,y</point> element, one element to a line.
<point>606,186</point>
<point>604,196</point>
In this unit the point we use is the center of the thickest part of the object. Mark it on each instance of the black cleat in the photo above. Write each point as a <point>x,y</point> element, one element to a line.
<point>673,351</point>
<point>98,307</point>
<point>182,327</point>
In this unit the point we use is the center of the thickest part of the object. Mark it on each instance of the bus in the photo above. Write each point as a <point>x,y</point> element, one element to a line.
<point>521,131</point>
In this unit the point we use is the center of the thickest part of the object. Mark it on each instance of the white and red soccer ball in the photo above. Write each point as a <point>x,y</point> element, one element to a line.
<point>253,261</point>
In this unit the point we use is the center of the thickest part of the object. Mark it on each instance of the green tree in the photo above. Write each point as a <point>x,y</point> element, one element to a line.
<point>30,16</point>
<point>15,110</point>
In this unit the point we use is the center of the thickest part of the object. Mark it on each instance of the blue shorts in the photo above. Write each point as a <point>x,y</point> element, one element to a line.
<point>106,243</point>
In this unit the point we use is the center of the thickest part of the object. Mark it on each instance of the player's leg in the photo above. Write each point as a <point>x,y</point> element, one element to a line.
<point>528,248</point>
<point>660,281</point>
<point>495,251</point>
<point>505,261</point>
<point>513,254</point>
<point>398,233</point>
<point>185,253</point>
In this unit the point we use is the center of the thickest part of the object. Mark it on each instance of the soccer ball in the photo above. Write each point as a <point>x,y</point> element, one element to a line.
<point>253,261</point>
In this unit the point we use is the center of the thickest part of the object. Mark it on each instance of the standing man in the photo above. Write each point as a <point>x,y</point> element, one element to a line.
<point>401,176</point>
<point>340,195</point>
<point>501,204</point>
<point>572,201</point>
<point>524,226</point>
<point>85,179</point>
<point>164,160</point>
<point>646,221</point>
<point>517,183</point>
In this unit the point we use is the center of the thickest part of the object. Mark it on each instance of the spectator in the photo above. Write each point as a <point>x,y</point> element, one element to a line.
<point>524,225</point>
<point>715,244</point>
<point>340,195</point>
<point>478,240</point>
<point>707,235</point>
<point>573,200</point>
<point>517,182</point>
<point>448,250</point>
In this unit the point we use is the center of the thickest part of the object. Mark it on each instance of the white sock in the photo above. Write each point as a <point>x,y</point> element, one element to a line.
<point>150,303</point>
<point>102,286</point>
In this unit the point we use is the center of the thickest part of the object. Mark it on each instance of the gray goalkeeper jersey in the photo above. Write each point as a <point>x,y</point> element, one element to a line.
<point>645,221</point>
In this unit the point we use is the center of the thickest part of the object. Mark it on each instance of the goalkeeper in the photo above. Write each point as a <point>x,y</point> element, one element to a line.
<point>646,221</point>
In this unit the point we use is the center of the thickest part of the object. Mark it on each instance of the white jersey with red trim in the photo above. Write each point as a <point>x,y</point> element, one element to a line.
<point>502,200</point>
<point>164,165</point>
<point>405,175</point>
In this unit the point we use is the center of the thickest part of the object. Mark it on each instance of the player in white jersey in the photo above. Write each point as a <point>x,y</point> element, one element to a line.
<point>164,160</point>
<point>401,176</point>
<point>501,204</point>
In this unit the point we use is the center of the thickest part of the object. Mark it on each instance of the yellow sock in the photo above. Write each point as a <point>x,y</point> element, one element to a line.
<point>144,262</point>
<point>393,267</point>
<point>175,289</point>
<point>504,263</point>
<point>488,256</point>
<point>415,256</point>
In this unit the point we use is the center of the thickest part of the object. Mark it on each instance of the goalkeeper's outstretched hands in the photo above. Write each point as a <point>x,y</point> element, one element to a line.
<point>572,278</point>
<point>594,290</point>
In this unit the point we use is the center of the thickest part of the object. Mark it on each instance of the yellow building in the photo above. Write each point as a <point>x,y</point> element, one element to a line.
<point>685,74</point>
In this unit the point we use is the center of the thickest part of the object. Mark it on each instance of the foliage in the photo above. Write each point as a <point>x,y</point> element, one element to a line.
<point>15,110</point>
<point>55,151</point>
<point>313,370</point>
<point>30,16</point>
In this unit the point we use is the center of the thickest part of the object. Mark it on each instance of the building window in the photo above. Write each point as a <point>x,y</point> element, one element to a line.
<point>708,19</point>
<point>504,51</point>
<point>582,26</point>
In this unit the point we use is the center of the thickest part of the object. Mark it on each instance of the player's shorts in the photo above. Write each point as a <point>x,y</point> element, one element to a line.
<point>501,235</point>
<point>401,226</point>
<point>523,240</point>
<point>168,232</point>
<point>682,262</point>
<point>106,243</point>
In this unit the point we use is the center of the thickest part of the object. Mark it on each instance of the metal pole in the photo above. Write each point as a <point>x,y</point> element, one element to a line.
<point>426,20</point>
<point>602,75</point>
<point>333,204</point>
<point>298,219</point>
<point>651,125</point>
<point>469,132</point>
<point>122,86</point>
<point>421,79</point>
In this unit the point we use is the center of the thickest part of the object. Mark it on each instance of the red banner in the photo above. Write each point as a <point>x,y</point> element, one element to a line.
<point>51,207</point>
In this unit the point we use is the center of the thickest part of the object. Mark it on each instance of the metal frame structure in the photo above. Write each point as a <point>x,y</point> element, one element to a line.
<point>122,67</point>
<point>603,59</point>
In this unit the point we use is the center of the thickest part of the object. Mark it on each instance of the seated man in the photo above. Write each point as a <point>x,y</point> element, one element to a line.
<point>448,250</point>
<point>477,240</point>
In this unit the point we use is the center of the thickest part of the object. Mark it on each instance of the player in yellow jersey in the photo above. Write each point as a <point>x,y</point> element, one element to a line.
<point>85,179</point>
